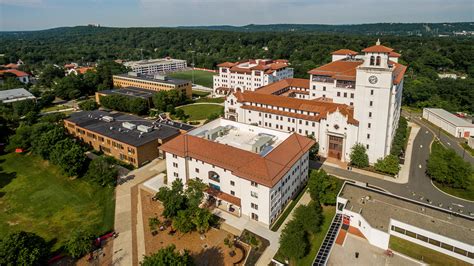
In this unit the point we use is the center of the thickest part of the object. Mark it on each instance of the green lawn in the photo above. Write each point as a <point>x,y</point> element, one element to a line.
<point>203,78</point>
<point>54,108</point>
<point>419,252</point>
<point>210,100</point>
<point>467,193</point>
<point>201,111</point>
<point>200,93</point>
<point>36,197</point>
<point>316,240</point>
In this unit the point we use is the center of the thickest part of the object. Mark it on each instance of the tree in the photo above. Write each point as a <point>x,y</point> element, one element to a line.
<point>399,140</point>
<point>310,216</point>
<point>195,192</point>
<point>180,114</point>
<point>102,171</point>
<point>137,106</point>
<point>43,144</point>
<point>173,199</point>
<point>80,243</point>
<point>183,221</point>
<point>69,156</point>
<point>388,165</point>
<point>21,138</point>
<point>446,167</point>
<point>88,105</point>
<point>49,74</point>
<point>293,241</point>
<point>313,151</point>
<point>323,187</point>
<point>168,256</point>
<point>359,157</point>
<point>23,248</point>
<point>201,219</point>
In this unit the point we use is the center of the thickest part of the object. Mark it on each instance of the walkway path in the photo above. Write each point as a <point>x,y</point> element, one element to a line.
<point>122,247</point>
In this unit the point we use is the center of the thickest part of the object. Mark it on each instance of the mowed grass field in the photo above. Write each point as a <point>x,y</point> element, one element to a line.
<point>36,197</point>
<point>201,111</point>
<point>203,78</point>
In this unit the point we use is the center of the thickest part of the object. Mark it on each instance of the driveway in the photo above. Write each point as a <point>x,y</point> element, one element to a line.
<point>419,186</point>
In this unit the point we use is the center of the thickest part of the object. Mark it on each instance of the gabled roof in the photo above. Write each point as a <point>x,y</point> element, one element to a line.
<point>282,84</point>
<point>344,70</point>
<point>267,170</point>
<point>398,72</point>
<point>16,72</point>
<point>344,52</point>
<point>377,49</point>
<point>394,54</point>
<point>322,108</point>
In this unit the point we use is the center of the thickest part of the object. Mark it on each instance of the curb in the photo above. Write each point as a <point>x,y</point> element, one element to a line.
<point>458,198</point>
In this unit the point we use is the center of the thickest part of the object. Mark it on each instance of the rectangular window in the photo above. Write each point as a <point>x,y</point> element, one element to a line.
<point>175,165</point>
<point>254,206</point>
<point>422,238</point>
<point>446,246</point>
<point>352,95</point>
<point>338,94</point>
<point>232,183</point>
<point>369,125</point>
<point>253,184</point>
<point>345,94</point>
<point>434,242</point>
<point>371,92</point>
<point>197,170</point>
<point>254,194</point>
<point>175,174</point>
<point>371,103</point>
<point>367,146</point>
<point>368,136</point>
<point>370,114</point>
<point>410,234</point>
<point>324,88</point>
<point>175,156</point>
<point>232,193</point>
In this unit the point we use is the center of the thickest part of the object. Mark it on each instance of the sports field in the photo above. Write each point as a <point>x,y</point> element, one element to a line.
<point>203,78</point>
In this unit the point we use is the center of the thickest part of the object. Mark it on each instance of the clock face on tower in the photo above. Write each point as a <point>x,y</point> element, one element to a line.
<point>373,79</point>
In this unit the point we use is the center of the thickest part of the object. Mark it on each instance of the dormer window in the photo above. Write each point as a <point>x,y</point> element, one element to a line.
<point>372,60</point>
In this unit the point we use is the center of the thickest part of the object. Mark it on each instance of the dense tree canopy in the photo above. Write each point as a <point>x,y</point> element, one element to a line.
<point>323,188</point>
<point>168,256</point>
<point>80,242</point>
<point>359,157</point>
<point>23,248</point>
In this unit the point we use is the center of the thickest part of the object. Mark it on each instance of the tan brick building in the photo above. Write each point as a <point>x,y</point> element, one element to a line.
<point>153,83</point>
<point>127,138</point>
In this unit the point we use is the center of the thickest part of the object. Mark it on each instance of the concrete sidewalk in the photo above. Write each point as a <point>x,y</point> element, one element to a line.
<point>122,246</point>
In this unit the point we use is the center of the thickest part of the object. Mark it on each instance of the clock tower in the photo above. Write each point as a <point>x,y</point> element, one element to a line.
<point>374,101</point>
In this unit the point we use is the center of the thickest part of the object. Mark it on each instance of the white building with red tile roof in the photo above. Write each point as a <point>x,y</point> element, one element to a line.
<point>250,75</point>
<point>353,99</point>
<point>251,171</point>
<point>22,76</point>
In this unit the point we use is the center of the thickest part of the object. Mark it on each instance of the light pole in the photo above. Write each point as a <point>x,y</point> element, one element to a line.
<point>192,64</point>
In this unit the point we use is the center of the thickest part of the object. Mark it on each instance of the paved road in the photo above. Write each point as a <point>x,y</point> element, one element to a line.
<point>419,186</point>
<point>447,140</point>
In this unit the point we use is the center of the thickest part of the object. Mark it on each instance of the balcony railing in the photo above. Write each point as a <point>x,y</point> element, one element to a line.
<point>345,84</point>
<point>323,79</point>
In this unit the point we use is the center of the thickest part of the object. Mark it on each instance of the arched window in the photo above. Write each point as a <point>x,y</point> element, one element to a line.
<point>214,176</point>
<point>378,61</point>
<point>372,60</point>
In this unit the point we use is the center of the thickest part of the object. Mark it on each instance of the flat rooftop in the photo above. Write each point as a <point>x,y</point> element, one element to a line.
<point>154,62</point>
<point>241,136</point>
<point>15,94</point>
<point>165,80</point>
<point>379,207</point>
<point>130,91</point>
<point>95,122</point>
<point>449,117</point>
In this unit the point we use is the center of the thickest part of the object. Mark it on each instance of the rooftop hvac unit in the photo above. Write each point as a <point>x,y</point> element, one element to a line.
<point>129,125</point>
<point>133,74</point>
<point>159,77</point>
<point>107,118</point>
<point>144,128</point>
<point>261,143</point>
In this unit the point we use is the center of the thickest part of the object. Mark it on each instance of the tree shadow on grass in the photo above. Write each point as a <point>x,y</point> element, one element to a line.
<point>210,256</point>
<point>5,179</point>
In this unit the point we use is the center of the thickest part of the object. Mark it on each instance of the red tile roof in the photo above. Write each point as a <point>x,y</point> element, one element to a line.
<point>394,54</point>
<point>344,52</point>
<point>398,72</point>
<point>223,196</point>
<point>344,70</point>
<point>282,84</point>
<point>83,70</point>
<point>12,65</point>
<point>266,170</point>
<point>323,108</point>
<point>226,64</point>
<point>377,49</point>
<point>269,66</point>
<point>17,73</point>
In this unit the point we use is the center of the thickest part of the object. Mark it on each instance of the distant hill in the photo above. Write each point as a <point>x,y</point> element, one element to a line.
<point>401,29</point>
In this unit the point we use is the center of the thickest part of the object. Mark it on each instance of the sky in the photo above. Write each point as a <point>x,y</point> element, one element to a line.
<point>44,14</point>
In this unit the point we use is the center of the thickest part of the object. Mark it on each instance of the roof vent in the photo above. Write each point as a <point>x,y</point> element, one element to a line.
<point>144,128</point>
<point>107,118</point>
<point>129,125</point>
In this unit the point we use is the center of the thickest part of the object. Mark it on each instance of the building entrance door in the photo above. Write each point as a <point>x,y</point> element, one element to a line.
<point>335,147</point>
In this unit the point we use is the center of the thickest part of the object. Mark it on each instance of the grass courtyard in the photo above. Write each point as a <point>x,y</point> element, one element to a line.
<point>418,252</point>
<point>203,78</point>
<point>201,111</point>
<point>36,197</point>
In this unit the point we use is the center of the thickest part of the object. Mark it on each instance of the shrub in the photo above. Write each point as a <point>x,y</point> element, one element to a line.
<point>388,165</point>
<point>359,157</point>
<point>88,105</point>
